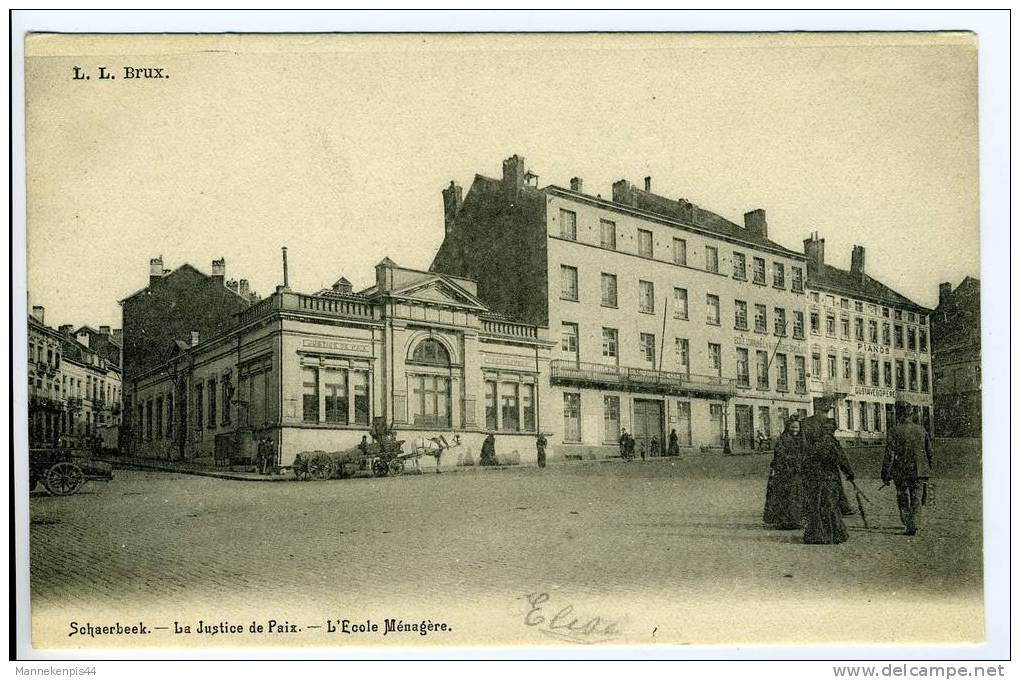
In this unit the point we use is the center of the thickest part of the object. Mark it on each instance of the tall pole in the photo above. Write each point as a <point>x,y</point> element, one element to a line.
<point>285,282</point>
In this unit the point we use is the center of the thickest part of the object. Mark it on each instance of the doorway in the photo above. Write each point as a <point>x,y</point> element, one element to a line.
<point>648,425</point>
<point>744,422</point>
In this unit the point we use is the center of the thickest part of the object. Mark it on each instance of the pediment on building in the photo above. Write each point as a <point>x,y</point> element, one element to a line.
<point>440,291</point>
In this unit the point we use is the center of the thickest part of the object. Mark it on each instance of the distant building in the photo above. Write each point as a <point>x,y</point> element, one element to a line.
<point>870,346</point>
<point>668,316</point>
<point>312,371</point>
<point>74,383</point>
<point>956,338</point>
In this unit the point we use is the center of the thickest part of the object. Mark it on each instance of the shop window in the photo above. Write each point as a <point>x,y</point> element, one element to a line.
<point>430,401</point>
<point>571,417</point>
<point>335,389</point>
<point>491,422</point>
<point>310,394</point>
<point>509,404</point>
<point>683,423</point>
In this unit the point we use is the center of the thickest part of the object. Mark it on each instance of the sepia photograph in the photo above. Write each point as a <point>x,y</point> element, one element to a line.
<point>523,340</point>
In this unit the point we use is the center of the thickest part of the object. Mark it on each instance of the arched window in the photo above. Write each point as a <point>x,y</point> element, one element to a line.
<point>431,352</point>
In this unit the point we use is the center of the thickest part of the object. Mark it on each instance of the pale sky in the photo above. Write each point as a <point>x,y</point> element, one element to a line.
<point>338,147</point>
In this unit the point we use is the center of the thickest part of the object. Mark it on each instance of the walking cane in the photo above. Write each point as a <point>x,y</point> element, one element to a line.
<point>860,503</point>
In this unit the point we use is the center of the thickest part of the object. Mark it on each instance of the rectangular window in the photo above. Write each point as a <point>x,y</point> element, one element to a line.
<point>568,225</point>
<point>568,338</point>
<point>680,303</point>
<point>898,314</point>
<point>901,380</point>
<point>782,377</point>
<point>911,317</point>
<point>611,345</point>
<point>844,328</point>
<point>740,315</point>
<point>334,384</point>
<point>846,368</point>
<point>712,259</point>
<point>611,418</point>
<point>911,339</point>
<point>715,416</point>
<point>924,378</point>
<point>491,420</point>
<point>849,415</point>
<point>898,336</point>
<point>571,417</point>
<point>831,361</point>
<point>227,393</point>
<point>169,416</point>
<point>683,423</point>
<point>844,303</point>
<point>759,271</point>
<point>715,357</point>
<point>830,325</point>
<point>797,279</point>
<point>607,234</point>
<point>887,373</point>
<point>679,251</point>
<point>683,355</point>
<point>763,370</point>
<point>362,409</point>
<point>765,421</point>
<point>859,329</point>
<point>430,401</point>
<point>778,275</point>
<point>646,297</point>
<point>922,340</point>
<point>799,370</point>
<point>609,290</point>
<point>912,368</point>
<point>739,266</point>
<point>159,418</point>
<point>310,394</point>
<point>212,402</point>
<point>858,306</point>
<point>528,406</point>
<point>712,301</point>
<point>862,378</point>
<point>830,300</point>
<point>648,347</point>
<point>885,335</point>
<point>873,332</point>
<point>645,247</point>
<point>509,406</point>
<point>816,365</point>
<point>761,321</point>
<point>743,370</point>
<point>798,325</point>
<point>568,282</point>
<point>815,324</point>
<point>874,373</point>
<point>876,417</point>
<point>780,321</point>
<point>863,409</point>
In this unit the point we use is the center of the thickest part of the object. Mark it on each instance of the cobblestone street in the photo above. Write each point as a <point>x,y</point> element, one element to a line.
<point>664,532</point>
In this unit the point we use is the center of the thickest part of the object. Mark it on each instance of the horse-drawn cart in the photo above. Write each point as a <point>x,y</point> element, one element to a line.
<point>63,471</point>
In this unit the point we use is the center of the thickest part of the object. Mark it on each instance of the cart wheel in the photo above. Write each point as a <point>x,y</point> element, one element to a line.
<point>396,467</point>
<point>320,468</point>
<point>379,468</point>
<point>63,479</point>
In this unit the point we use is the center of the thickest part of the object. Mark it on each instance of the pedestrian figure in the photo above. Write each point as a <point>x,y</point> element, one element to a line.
<point>271,458</point>
<point>674,444</point>
<point>260,455</point>
<point>907,463</point>
<point>784,495</point>
<point>488,451</point>
<point>763,441</point>
<point>824,462</point>
<point>653,447</point>
<point>363,446</point>
<point>626,445</point>
<point>540,444</point>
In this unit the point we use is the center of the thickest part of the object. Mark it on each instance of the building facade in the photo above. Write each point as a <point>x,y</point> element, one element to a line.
<point>869,346</point>
<point>956,339</point>
<point>313,371</point>
<point>74,388</point>
<point>668,317</point>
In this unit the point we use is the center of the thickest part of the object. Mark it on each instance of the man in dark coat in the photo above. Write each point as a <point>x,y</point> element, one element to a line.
<point>673,449</point>
<point>488,451</point>
<point>540,443</point>
<point>907,463</point>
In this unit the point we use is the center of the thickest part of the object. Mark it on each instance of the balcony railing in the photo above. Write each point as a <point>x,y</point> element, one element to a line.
<point>638,379</point>
<point>509,329</point>
<point>310,304</point>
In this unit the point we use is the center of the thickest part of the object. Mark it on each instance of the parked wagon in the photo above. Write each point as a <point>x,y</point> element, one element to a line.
<point>382,457</point>
<point>63,471</point>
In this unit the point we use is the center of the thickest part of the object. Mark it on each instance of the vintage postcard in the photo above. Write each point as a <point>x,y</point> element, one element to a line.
<point>522,340</point>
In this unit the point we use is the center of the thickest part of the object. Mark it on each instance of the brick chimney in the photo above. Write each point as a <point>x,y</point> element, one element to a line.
<point>39,313</point>
<point>453,198</point>
<point>814,248</point>
<point>685,210</point>
<point>754,222</point>
<point>232,285</point>
<point>66,329</point>
<point>219,270</point>
<point>105,330</point>
<point>945,290</point>
<point>648,183</point>
<point>576,184</point>
<point>857,260</point>
<point>623,193</point>
<point>513,177</point>
<point>155,269</point>
<point>242,288</point>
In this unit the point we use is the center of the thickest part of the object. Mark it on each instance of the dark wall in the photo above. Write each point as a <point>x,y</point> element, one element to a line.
<point>502,245</point>
<point>169,309</point>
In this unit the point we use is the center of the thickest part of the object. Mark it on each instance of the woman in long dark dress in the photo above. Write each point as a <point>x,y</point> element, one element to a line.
<point>784,501</point>
<point>825,461</point>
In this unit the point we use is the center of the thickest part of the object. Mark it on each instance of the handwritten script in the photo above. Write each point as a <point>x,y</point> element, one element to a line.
<point>562,622</point>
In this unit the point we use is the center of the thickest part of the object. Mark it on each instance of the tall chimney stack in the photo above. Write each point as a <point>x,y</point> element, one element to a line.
<point>945,290</point>
<point>623,192</point>
<point>155,269</point>
<point>576,184</point>
<point>453,198</point>
<point>286,284</point>
<point>648,183</point>
<point>857,260</point>
<point>39,312</point>
<point>513,177</point>
<point>754,222</point>
<point>105,330</point>
<point>242,288</point>
<point>219,269</point>
<point>814,248</point>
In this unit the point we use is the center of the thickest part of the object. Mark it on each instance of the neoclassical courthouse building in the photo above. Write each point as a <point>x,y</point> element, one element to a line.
<point>545,310</point>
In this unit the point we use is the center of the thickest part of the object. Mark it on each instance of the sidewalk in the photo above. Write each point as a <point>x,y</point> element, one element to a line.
<point>185,468</point>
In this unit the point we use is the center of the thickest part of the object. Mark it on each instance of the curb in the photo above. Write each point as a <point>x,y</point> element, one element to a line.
<point>198,472</point>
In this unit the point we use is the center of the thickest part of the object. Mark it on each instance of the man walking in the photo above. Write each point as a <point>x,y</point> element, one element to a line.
<point>540,444</point>
<point>907,463</point>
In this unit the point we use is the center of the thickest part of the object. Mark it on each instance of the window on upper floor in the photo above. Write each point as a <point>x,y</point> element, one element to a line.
<point>712,259</point>
<point>568,283</point>
<point>712,302</point>
<point>778,275</point>
<point>680,303</point>
<point>607,234</point>
<point>568,225</point>
<point>609,298</point>
<point>759,271</point>
<point>645,243</point>
<point>679,251</point>
<point>740,315</point>
<point>761,321</point>
<point>797,282</point>
<point>739,266</point>
<point>646,297</point>
<point>798,325</point>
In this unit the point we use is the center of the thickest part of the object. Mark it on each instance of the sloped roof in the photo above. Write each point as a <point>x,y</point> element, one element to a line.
<point>857,284</point>
<point>183,267</point>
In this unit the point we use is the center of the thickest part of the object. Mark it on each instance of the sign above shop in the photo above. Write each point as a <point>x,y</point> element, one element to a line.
<point>336,346</point>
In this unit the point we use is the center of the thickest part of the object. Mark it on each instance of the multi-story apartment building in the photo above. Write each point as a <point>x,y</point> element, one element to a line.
<point>669,317</point>
<point>74,387</point>
<point>956,358</point>
<point>869,346</point>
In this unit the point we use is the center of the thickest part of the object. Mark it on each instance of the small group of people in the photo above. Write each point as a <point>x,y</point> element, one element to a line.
<point>266,460</point>
<point>628,445</point>
<point>488,456</point>
<point>805,486</point>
